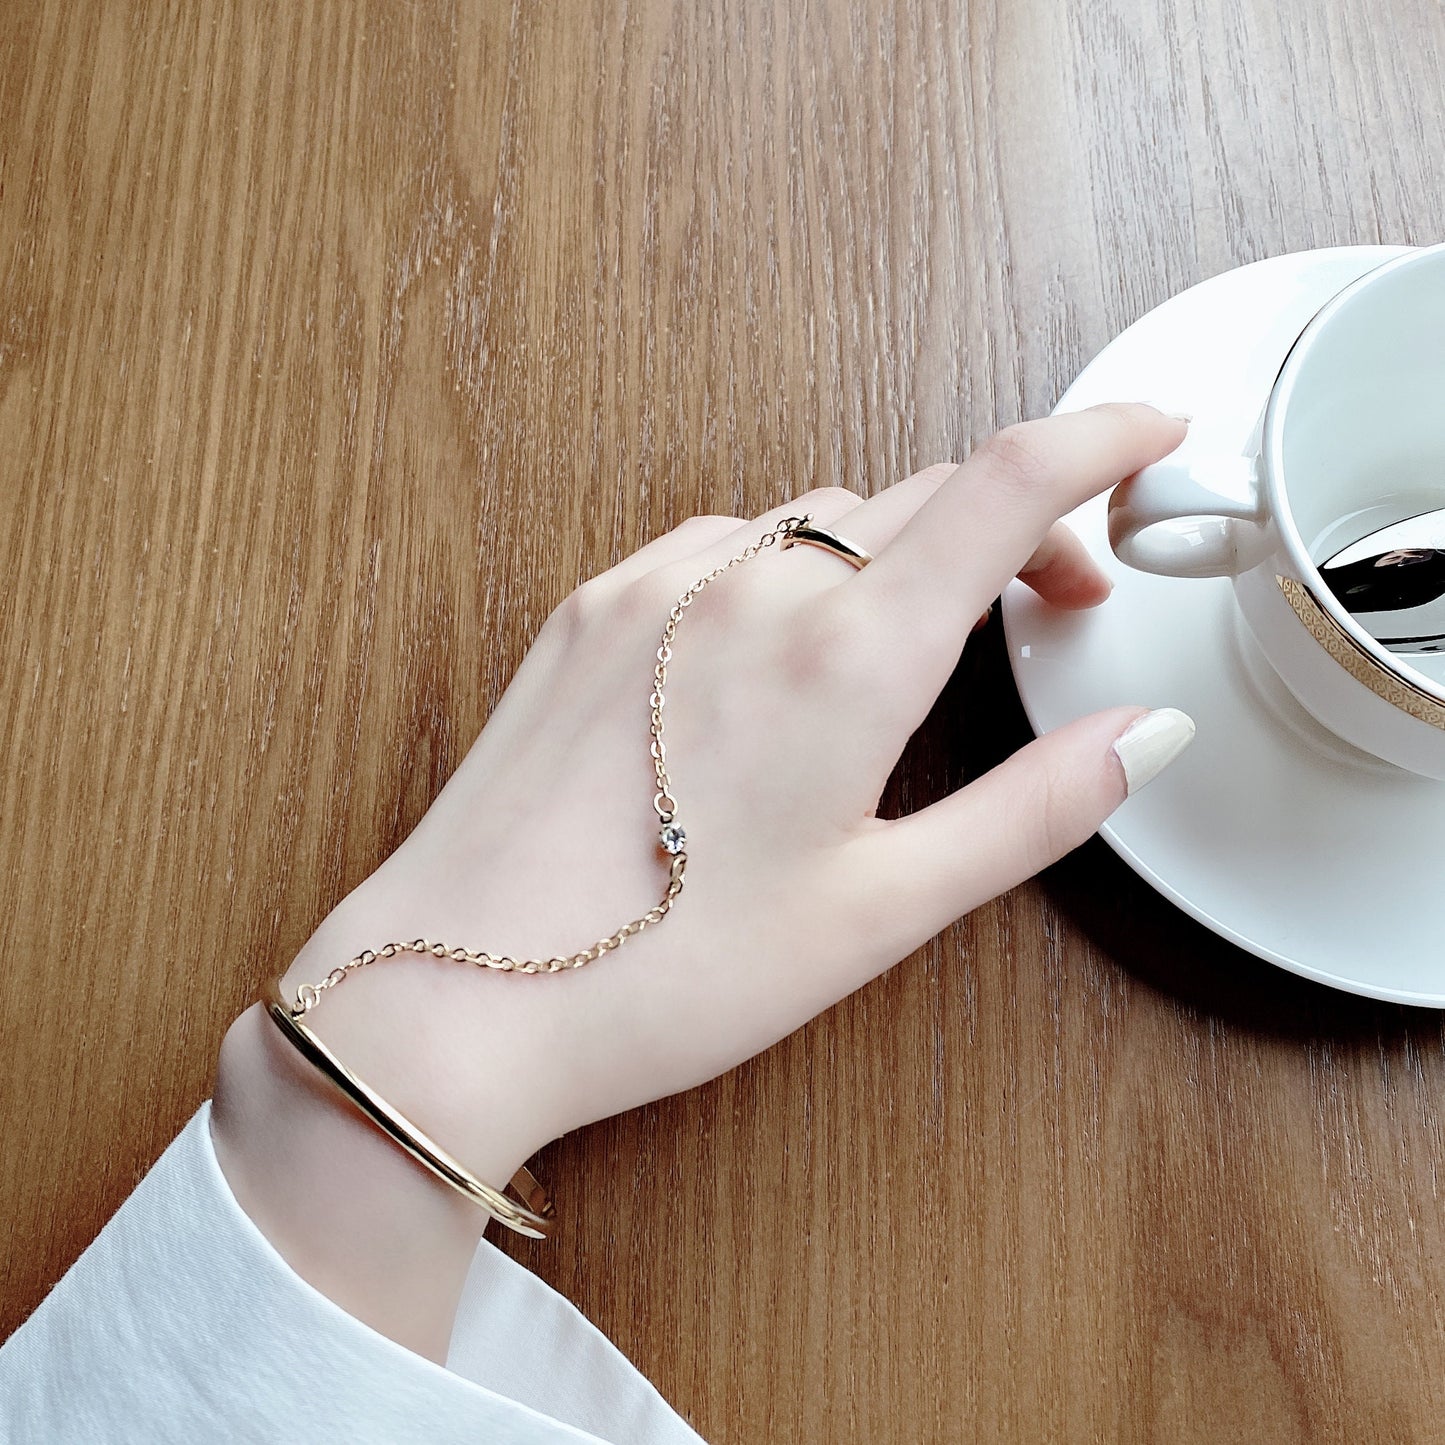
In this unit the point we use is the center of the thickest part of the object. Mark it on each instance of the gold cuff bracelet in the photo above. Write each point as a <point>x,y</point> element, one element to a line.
<point>532,1213</point>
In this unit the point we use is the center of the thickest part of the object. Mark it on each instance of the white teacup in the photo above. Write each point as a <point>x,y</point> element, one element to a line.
<point>1352,439</point>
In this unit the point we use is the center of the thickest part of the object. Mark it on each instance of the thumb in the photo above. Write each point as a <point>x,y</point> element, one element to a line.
<point>935,865</point>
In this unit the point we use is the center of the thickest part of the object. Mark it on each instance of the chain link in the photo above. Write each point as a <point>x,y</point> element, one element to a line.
<point>671,837</point>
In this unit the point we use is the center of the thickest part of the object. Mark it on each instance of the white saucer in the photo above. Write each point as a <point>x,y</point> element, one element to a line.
<point>1268,830</point>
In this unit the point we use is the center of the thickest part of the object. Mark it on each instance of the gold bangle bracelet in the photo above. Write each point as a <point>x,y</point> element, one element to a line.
<point>534,1215</point>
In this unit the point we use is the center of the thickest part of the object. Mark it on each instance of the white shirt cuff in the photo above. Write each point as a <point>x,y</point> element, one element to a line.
<point>181,1323</point>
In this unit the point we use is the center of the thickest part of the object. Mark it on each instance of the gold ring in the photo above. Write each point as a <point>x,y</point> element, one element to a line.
<point>829,542</point>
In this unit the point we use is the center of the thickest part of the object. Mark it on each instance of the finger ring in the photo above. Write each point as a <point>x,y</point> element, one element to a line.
<point>850,552</point>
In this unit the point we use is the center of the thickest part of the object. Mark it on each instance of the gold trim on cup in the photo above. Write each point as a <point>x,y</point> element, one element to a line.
<point>1367,670</point>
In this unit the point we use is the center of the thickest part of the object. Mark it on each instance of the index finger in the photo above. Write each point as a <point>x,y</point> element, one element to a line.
<point>963,545</point>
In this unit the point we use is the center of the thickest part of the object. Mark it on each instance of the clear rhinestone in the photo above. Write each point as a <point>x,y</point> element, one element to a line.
<point>672,838</point>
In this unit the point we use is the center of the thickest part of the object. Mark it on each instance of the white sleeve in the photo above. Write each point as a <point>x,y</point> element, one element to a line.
<point>182,1323</point>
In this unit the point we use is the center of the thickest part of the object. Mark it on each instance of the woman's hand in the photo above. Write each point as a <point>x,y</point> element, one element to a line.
<point>794,684</point>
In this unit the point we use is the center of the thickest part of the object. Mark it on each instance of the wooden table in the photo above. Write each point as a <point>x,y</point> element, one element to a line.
<point>339,341</point>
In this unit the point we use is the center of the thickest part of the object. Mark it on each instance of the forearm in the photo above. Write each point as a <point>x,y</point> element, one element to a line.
<point>348,1211</point>
<point>181,1322</point>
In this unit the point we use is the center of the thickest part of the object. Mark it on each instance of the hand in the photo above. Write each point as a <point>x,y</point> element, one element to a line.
<point>794,685</point>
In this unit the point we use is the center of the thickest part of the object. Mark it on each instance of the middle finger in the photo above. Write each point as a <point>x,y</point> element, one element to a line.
<point>960,547</point>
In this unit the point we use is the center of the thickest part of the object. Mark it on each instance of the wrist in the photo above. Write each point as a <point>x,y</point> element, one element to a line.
<point>453,1047</point>
<point>348,1210</point>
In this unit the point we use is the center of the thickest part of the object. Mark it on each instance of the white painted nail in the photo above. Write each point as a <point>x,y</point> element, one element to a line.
<point>1150,743</point>
<point>1184,416</point>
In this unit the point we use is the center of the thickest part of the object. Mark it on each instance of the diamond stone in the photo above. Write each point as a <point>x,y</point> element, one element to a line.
<point>672,838</point>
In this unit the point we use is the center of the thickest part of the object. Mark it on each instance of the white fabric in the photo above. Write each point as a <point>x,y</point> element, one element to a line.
<point>182,1323</point>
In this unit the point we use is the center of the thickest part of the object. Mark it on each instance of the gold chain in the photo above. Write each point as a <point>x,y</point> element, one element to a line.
<point>671,837</point>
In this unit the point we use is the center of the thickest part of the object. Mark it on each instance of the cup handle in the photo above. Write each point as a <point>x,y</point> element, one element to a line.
<point>1183,519</point>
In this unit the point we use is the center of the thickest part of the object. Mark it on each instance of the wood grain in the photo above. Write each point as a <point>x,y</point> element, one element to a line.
<point>339,341</point>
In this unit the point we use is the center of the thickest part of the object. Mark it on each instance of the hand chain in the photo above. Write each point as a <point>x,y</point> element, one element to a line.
<point>671,837</point>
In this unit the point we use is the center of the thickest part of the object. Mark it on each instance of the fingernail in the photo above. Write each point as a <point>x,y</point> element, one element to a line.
<point>1184,416</point>
<point>1150,743</point>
